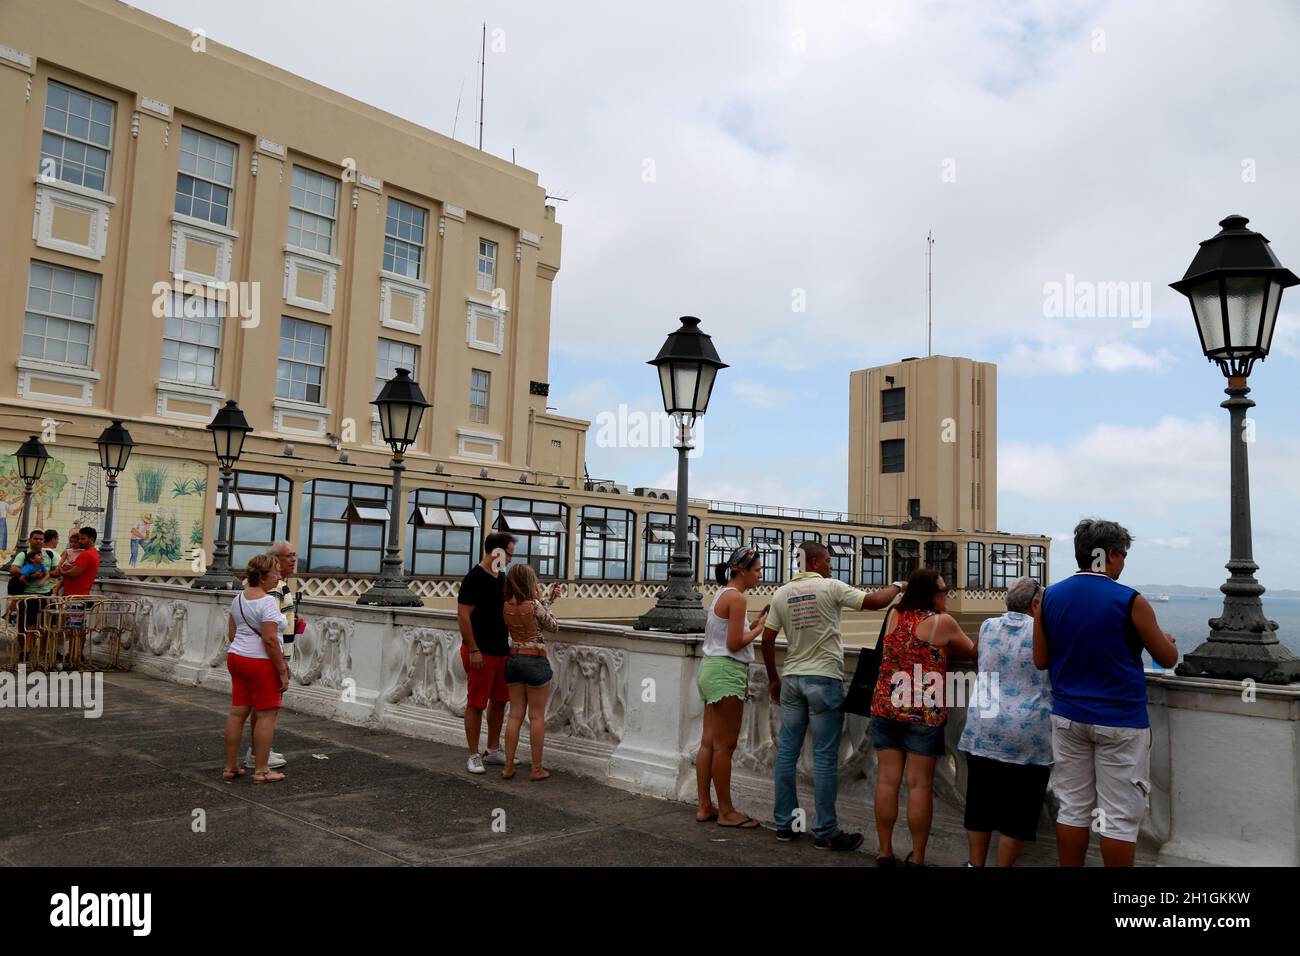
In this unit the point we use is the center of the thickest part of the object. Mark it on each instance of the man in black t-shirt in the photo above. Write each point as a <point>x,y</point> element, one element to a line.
<point>485,647</point>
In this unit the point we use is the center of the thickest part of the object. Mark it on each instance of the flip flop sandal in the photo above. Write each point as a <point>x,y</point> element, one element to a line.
<point>744,824</point>
<point>271,776</point>
<point>709,819</point>
<point>230,775</point>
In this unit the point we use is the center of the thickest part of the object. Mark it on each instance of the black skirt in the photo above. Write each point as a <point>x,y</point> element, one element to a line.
<point>1006,797</point>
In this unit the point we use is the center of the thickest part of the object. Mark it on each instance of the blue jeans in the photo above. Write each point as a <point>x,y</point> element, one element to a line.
<point>804,701</point>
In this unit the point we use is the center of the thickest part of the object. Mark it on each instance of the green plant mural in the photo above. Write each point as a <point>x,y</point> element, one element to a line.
<point>200,486</point>
<point>196,533</point>
<point>164,542</point>
<point>45,493</point>
<point>149,481</point>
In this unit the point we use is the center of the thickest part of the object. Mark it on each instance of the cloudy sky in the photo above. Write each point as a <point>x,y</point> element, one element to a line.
<point>735,160</point>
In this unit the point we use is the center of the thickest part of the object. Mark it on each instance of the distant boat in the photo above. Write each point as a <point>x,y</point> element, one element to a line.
<point>1204,598</point>
<point>1161,599</point>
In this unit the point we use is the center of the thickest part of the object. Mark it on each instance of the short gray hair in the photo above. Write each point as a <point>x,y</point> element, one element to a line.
<point>1021,594</point>
<point>1093,535</point>
<point>276,545</point>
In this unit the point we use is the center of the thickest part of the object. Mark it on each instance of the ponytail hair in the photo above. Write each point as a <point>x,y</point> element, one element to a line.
<point>721,572</point>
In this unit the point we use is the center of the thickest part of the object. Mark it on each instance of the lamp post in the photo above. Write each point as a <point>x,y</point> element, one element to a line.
<point>32,459</point>
<point>401,406</point>
<point>115,446</point>
<point>687,364</point>
<point>229,429</point>
<point>1235,286</point>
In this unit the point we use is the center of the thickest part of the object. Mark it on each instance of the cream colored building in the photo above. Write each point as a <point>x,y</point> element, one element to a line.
<point>205,226</point>
<point>923,441</point>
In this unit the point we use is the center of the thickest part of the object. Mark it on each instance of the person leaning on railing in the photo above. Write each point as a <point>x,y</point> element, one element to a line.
<point>259,675</point>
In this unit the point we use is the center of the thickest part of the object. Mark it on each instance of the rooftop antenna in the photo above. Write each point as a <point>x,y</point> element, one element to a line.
<point>929,296</point>
<point>456,119</point>
<point>482,72</point>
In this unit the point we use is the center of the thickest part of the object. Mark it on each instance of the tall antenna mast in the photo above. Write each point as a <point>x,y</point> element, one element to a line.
<point>929,296</point>
<point>482,73</point>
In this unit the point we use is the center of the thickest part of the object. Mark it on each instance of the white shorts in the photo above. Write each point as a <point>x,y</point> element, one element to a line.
<point>1102,776</point>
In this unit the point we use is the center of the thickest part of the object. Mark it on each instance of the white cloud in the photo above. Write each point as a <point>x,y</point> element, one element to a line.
<point>761,396</point>
<point>1078,356</point>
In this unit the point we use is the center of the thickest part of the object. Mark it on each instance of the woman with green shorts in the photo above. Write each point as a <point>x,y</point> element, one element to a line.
<point>724,680</point>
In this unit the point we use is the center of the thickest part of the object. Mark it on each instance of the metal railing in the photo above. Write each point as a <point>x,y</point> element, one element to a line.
<point>806,514</point>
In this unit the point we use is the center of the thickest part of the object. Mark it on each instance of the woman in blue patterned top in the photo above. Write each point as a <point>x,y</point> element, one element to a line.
<point>1008,735</point>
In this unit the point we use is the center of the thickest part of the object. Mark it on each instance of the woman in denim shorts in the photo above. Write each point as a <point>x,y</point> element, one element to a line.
<point>907,721</point>
<point>528,672</point>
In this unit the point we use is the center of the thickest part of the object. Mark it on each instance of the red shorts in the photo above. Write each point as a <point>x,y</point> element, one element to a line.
<point>253,682</point>
<point>490,682</point>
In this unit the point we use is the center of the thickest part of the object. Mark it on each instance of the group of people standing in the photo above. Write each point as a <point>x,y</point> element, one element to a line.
<point>39,571</point>
<point>1065,665</point>
<point>1065,662</point>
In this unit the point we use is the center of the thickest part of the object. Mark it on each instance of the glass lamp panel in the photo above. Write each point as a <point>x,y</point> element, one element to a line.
<point>1245,298</point>
<point>707,374</point>
<point>1209,315</point>
<point>1270,314</point>
<point>686,375</point>
<point>666,386</point>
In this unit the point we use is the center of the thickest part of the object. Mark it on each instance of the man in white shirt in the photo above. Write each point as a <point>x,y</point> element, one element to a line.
<point>807,608</point>
<point>286,562</point>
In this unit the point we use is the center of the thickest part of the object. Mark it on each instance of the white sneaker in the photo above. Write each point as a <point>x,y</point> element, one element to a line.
<point>274,762</point>
<point>475,764</point>
<point>496,758</point>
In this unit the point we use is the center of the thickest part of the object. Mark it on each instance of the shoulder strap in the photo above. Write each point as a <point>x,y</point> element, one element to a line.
<point>240,599</point>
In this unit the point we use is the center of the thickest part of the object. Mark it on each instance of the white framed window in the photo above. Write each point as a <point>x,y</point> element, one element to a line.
<point>390,357</point>
<point>60,320</point>
<point>205,182</point>
<point>191,340</point>
<point>313,208</point>
<point>300,373</point>
<point>77,137</point>
<point>487,265</point>
<point>404,238</point>
<point>478,395</point>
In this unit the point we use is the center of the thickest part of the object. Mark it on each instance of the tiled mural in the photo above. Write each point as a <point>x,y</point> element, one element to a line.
<point>160,504</point>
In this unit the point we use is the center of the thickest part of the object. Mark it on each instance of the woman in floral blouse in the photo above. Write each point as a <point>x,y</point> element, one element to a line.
<point>1008,738</point>
<point>908,709</point>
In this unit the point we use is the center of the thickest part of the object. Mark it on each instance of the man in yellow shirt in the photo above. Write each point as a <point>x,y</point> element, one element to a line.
<point>808,609</point>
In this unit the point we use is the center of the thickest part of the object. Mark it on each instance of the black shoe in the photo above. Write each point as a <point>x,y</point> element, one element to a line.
<point>787,835</point>
<point>910,862</point>
<point>841,841</point>
<point>886,861</point>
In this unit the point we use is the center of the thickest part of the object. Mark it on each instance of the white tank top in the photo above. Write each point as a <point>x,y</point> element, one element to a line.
<point>715,635</point>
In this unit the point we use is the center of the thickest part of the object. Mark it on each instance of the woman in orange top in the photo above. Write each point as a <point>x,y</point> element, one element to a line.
<point>528,672</point>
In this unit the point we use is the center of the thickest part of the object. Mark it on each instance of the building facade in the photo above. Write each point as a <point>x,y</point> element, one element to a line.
<point>205,226</point>
<point>923,442</point>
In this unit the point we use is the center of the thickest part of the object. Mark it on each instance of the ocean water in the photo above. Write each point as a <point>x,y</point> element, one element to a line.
<point>1185,617</point>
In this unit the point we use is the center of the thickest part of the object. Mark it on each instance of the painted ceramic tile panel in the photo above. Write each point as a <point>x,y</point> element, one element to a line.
<point>160,504</point>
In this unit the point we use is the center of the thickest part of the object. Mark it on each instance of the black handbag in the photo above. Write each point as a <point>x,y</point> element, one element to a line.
<point>858,698</point>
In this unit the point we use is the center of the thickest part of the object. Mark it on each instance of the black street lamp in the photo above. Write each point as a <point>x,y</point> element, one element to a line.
<point>115,446</point>
<point>401,406</point>
<point>229,429</point>
<point>1235,286</point>
<point>688,363</point>
<point>32,459</point>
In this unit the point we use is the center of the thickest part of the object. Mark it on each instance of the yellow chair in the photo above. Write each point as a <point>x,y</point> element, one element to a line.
<point>114,618</point>
<point>24,624</point>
